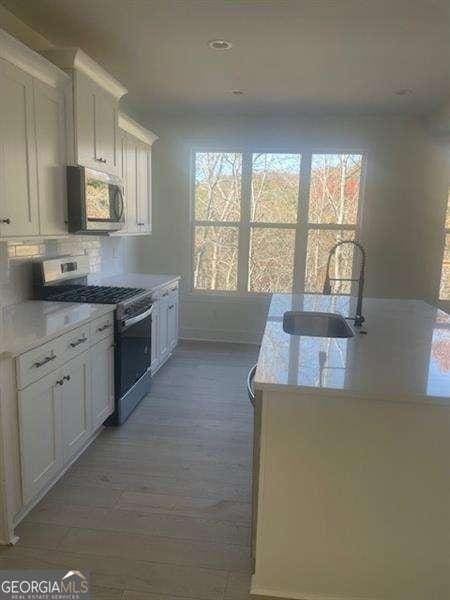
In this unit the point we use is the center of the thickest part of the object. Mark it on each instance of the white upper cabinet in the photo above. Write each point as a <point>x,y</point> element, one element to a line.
<point>49,105</point>
<point>18,185</point>
<point>144,189</point>
<point>93,125</point>
<point>32,142</point>
<point>137,144</point>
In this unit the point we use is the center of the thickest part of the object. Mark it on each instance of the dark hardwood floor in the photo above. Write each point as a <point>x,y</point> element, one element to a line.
<point>160,507</point>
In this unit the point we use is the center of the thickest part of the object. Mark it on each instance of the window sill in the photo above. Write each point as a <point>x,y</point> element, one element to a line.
<point>228,297</point>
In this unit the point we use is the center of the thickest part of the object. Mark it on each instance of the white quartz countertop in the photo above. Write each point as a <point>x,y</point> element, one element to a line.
<point>29,324</point>
<point>405,355</point>
<point>141,280</point>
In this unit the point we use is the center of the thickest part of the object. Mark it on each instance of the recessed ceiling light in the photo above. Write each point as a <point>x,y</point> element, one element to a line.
<point>237,92</point>
<point>404,92</point>
<point>220,44</point>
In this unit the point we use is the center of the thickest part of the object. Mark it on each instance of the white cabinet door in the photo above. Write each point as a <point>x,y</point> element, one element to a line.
<point>155,336</point>
<point>95,124</point>
<point>106,123</point>
<point>143,170</point>
<point>76,410</point>
<point>51,158</point>
<point>40,433</point>
<point>131,185</point>
<point>18,185</point>
<point>102,377</point>
<point>163,327</point>
<point>173,320</point>
<point>84,121</point>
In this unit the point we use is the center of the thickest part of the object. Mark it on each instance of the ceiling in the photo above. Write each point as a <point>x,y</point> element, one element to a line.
<point>309,56</point>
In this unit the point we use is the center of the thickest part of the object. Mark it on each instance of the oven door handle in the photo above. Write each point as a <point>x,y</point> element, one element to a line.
<point>133,320</point>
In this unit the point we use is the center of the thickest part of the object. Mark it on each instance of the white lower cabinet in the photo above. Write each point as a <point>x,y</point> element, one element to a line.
<point>155,338</point>
<point>40,434</point>
<point>102,378</point>
<point>76,414</point>
<point>164,325</point>
<point>172,320</point>
<point>59,413</point>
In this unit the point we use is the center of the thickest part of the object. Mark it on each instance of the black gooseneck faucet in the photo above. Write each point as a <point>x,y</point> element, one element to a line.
<point>358,319</point>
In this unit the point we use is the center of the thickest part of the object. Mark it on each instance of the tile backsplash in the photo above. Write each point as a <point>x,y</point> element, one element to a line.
<point>105,254</point>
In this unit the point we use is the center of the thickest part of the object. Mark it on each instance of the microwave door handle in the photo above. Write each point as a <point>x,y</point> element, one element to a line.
<point>122,204</point>
<point>117,201</point>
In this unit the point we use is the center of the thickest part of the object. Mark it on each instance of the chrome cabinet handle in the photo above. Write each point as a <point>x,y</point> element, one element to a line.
<point>6,221</point>
<point>43,362</point>
<point>250,376</point>
<point>78,342</point>
<point>107,326</point>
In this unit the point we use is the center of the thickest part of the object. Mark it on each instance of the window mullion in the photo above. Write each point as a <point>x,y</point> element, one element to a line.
<point>244,229</point>
<point>301,238</point>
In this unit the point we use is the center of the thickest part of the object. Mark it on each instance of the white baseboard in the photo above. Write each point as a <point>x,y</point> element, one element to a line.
<point>220,335</point>
<point>261,591</point>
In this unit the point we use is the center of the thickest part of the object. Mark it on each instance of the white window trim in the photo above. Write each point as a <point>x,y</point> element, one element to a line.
<point>445,302</point>
<point>302,227</point>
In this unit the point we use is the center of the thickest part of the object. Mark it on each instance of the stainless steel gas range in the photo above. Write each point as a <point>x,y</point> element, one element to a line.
<point>64,279</point>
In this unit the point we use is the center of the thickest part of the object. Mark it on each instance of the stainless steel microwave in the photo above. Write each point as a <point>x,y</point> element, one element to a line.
<point>95,201</point>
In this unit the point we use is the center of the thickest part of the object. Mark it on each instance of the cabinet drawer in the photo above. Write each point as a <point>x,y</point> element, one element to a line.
<point>171,291</point>
<point>38,362</point>
<point>102,327</point>
<point>75,342</point>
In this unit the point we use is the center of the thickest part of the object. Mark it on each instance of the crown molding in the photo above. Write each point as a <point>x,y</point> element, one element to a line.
<point>20,55</point>
<point>76,59</point>
<point>134,128</point>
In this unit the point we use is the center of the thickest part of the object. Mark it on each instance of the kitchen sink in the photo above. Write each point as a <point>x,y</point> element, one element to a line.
<point>316,324</point>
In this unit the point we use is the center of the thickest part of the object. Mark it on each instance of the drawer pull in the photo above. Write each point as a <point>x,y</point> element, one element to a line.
<point>102,160</point>
<point>174,289</point>
<point>44,361</point>
<point>6,221</point>
<point>107,326</point>
<point>66,378</point>
<point>165,294</point>
<point>171,306</point>
<point>60,382</point>
<point>140,223</point>
<point>78,342</point>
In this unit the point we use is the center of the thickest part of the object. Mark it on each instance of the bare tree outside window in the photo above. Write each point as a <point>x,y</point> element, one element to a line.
<point>218,200</point>
<point>249,231</point>
<point>334,193</point>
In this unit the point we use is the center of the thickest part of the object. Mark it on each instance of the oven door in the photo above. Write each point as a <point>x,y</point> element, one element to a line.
<point>133,351</point>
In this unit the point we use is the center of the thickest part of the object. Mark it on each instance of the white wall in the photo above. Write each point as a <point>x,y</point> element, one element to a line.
<point>403,207</point>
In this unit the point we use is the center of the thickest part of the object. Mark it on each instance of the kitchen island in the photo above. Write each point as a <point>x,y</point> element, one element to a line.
<point>352,455</point>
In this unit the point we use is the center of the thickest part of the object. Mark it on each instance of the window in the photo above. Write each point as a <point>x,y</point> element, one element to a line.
<point>265,222</point>
<point>444,291</point>
<point>334,192</point>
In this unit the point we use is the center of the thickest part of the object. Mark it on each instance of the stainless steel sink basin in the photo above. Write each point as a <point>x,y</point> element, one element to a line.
<point>316,324</point>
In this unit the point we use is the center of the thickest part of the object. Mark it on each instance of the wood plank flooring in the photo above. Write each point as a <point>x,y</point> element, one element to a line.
<point>160,507</point>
